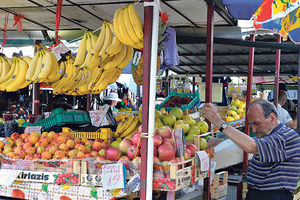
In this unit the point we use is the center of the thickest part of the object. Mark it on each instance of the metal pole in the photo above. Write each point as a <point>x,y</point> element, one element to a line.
<point>148,13</point>
<point>194,79</point>
<point>88,102</point>
<point>167,83</point>
<point>138,95</point>
<point>36,99</point>
<point>208,75</point>
<point>277,71</point>
<point>298,96</point>
<point>248,101</point>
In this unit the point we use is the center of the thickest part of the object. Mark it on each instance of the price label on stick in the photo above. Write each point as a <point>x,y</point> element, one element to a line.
<point>113,176</point>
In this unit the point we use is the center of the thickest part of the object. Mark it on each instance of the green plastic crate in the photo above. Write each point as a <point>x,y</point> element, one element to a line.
<point>81,117</point>
<point>189,106</point>
<point>61,118</point>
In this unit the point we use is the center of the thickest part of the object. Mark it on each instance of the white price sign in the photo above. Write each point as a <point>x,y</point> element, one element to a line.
<point>97,116</point>
<point>60,49</point>
<point>113,176</point>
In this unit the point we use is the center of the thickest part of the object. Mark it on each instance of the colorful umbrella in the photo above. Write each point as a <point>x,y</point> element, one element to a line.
<point>281,16</point>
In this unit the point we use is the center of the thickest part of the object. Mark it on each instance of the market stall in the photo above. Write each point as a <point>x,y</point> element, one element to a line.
<point>98,63</point>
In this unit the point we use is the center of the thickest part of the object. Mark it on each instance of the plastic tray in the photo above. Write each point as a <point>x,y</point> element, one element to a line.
<point>105,134</point>
<point>189,106</point>
<point>81,117</point>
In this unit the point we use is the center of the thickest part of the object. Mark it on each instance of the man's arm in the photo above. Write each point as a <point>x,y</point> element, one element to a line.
<point>244,141</point>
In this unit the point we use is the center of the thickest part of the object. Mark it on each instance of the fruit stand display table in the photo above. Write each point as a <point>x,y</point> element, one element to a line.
<point>40,191</point>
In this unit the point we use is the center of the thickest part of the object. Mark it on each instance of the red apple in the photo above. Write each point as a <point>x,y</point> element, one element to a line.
<point>105,145</point>
<point>193,148</point>
<point>169,141</point>
<point>96,146</point>
<point>124,145</point>
<point>164,132</point>
<point>132,151</point>
<point>166,152</point>
<point>136,139</point>
<point>157,140</point>
<point>187,154</point>
<point>113,154</point>
<point>154,151</point>
<point>98,140</point>
<point>125,160</point>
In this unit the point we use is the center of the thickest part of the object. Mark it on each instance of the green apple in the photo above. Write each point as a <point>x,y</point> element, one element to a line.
<point>203,126</point>
<point>177,112</point>
<point>169,120</point>
<point>158,123</point>
<point>182,124</point>
<point>158,114</point>
<point>115,144</point>
<point>190,137</point>
<point>194,130</point>
<point>189,120</point>
<point>203,143</point>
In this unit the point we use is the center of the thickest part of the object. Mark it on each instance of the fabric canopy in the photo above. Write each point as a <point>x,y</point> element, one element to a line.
<point>242,9</point>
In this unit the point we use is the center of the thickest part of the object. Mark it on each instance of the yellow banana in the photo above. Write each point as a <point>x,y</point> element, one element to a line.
<point>49,62</point>
<point>5,67</point>
<point>32,65</point>
<point>96,74</point>
<point>38,68</point>
<point>27,59</point>
<point>127,58</point>
<point>136,21</point>
<point>9,73</point>
<point>117,74</point>
<point>100,40</point>
<point>123,30</point>
<point>128,25</point>
<point>127,123</point>
<point>107,43</point>
<point>139,45</point>
<point>115,46</point>
<point>4,85</point>
<point>10,61</point>
<point>55,73</point>
<point>117,58</point>
<point>131,128</point>
<point>82,51</point>
<point>19,76</point>
<point>93,38</point>
<point>116,26</point>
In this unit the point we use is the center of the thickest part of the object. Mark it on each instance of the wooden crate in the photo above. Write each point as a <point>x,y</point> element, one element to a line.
<point>219,189</point>
<point>181,175</point>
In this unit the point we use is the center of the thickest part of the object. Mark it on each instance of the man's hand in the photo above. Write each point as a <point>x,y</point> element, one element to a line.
<point>210,112</point>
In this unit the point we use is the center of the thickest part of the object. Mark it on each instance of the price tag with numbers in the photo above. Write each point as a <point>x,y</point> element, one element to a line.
<point>113,176</point>
<point>204,160</point>
<point>30,129</point>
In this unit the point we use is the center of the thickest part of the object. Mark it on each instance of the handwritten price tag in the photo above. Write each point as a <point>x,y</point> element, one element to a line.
<point>59,49</point>
<point>30,129</point>
<point>113,176</point>
<point>97,116</point>
<point>204,160</point>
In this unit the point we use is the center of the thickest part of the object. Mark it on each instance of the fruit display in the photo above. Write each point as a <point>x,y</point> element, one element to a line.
<point>13,71</point>
<point>237,110</point>
<point>176,101</point>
